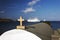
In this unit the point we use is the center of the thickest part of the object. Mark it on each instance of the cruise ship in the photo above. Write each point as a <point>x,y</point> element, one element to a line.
<point>33,20</point>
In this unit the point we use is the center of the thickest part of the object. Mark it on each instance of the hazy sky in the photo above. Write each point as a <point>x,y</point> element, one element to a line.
<point>42,9</point>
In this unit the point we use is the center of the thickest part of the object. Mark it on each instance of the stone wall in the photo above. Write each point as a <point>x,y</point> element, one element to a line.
<point>42,30</point>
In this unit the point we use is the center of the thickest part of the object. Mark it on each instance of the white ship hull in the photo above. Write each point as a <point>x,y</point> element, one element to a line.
<point>33,20</point>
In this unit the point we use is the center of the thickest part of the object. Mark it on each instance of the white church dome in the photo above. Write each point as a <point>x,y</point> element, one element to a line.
<point>18,34</point>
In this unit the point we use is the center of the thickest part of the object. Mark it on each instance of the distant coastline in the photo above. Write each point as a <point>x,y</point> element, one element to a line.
<point>5,20</point>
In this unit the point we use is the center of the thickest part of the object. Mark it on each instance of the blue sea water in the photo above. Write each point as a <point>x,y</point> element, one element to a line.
<point>5,26</point>
<point>55,24</point>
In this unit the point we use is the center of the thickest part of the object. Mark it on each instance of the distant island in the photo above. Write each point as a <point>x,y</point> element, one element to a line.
<point>5,20</point>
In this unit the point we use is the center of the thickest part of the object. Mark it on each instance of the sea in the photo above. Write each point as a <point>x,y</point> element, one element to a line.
<point>5,26</point>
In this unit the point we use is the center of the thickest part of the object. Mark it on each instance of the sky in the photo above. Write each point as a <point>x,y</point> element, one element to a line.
<point>41,9</point>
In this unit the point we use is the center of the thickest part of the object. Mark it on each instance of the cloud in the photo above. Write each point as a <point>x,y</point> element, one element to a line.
<point>2,11</point>
<point>33,2</point>
<point>28,10</point>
